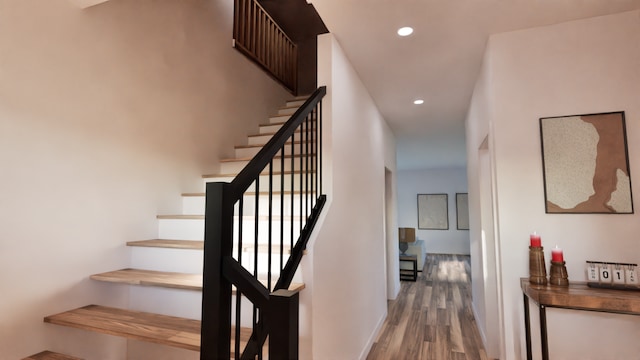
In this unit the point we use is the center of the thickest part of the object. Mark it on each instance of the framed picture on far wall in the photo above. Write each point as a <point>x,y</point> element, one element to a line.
<point>462,211</point>
<point>433,212</point>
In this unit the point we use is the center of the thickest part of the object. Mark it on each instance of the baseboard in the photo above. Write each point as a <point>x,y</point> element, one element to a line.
<point>372,338</point>
<point>480,330</point>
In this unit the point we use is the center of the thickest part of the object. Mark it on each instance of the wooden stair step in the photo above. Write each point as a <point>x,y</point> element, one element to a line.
<point>171,244</point>
<point>247,217</point>
<point>278,192</point>
<point>264,173</point>
<point>50,355</point>
<point>275,158</point>
<point>297,132</point>
<point>197,245</point>
<point>160,329</point>
<point>297,142</point>
<point>280,123</point>
<point>152,278</point>
<point>181,217</point>
<point>287,107</point>
<point>164,279</point>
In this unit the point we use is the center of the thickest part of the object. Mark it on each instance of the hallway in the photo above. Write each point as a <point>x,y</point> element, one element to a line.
<point>432,317</point>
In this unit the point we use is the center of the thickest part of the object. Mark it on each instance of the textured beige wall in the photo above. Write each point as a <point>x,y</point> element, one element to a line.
<point>107,114</point>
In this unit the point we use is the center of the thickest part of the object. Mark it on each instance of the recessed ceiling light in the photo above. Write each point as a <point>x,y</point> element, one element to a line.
<point>418,102</point>
<point>405,31</point>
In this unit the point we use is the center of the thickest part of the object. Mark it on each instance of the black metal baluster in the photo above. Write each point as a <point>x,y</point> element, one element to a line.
<point>307,170</point>
<point>256,230</point>
<point>292,185</point>
<point>270,226</point>
<point>238,293</point>
<point>312,160</point>
<point>302,140</point>
<point>319,155</point>
<point>315,157</point>
<point>282,152</point>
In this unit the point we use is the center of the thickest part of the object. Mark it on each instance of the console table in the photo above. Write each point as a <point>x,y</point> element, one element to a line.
<point>409,274</point>
<point>577,296</point>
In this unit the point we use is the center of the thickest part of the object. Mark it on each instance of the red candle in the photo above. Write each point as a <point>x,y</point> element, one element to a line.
<point>535,240</point>
<point>556,254</point>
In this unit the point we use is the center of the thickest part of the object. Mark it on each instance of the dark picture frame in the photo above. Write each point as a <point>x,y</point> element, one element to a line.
<point>433,212</point>
<point>462,211</point>
<point>585,164</point>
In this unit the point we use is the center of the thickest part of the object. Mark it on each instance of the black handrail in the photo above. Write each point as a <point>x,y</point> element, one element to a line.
<point>229,208</point>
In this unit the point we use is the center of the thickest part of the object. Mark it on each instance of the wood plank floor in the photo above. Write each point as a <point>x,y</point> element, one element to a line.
<point>432,317</point>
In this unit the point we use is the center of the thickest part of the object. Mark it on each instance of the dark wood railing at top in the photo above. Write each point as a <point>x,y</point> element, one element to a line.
<point>258,36</point>
<point>282,188</point>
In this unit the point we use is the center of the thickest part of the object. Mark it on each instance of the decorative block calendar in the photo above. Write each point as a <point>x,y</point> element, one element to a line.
<point>610,275</point>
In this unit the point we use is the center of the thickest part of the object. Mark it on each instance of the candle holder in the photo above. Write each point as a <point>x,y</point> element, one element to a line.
<point>558,274</point>
<point>537,268</point>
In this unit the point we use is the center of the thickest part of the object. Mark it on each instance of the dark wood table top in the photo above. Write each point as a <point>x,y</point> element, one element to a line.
<point>582,297</point>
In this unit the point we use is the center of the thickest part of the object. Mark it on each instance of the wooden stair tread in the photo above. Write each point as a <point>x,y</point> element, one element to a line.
<point>280,123</point>
<point>246,217</point>
<point>171,244</point>
<point>50,355</point>
<point>296,192</point>
<point>265,173</point>
<point>297,142</point>
<point>197,244</point>
<point>297,132</point>
<point>152,278</point>
<point>275,157</point>
<point>164,279</point>
<point>160,329</point>
<point>181,217</point>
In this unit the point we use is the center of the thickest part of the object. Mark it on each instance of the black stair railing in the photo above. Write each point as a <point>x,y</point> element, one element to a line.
<point>269,212</point>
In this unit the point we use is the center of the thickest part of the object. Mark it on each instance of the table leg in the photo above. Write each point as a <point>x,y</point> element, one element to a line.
<point>543,332</point>
<point>527,327</point>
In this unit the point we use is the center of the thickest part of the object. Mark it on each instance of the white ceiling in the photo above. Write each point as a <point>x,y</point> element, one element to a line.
<point>438,63</point>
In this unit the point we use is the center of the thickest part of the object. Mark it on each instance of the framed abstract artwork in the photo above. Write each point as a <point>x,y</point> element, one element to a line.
<point>462,211</point>
<point>433,210</point>
<point>586,164</point>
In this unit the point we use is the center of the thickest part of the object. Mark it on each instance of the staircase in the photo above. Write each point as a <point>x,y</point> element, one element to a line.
<point>175,261</point>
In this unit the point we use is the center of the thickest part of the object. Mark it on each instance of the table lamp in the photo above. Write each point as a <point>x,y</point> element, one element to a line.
<point>406,236</point>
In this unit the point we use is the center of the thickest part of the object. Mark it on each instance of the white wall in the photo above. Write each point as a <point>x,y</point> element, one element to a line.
<point>483,246</point>
<point>106,115</point>
<point>585,66</point>
<point>433,181</point>
<point>349,278</point>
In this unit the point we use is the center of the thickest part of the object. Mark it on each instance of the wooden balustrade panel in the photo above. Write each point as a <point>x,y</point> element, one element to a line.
<point>259,37</point>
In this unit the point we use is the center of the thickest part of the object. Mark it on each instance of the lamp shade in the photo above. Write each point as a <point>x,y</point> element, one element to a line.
<point>407,235</point>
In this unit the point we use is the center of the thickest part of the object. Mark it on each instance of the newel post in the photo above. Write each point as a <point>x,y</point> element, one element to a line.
<point>215,335</point>
<point>284,324</point>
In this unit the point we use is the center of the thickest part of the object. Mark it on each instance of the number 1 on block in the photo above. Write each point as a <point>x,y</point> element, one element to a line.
<point>618,275</point>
